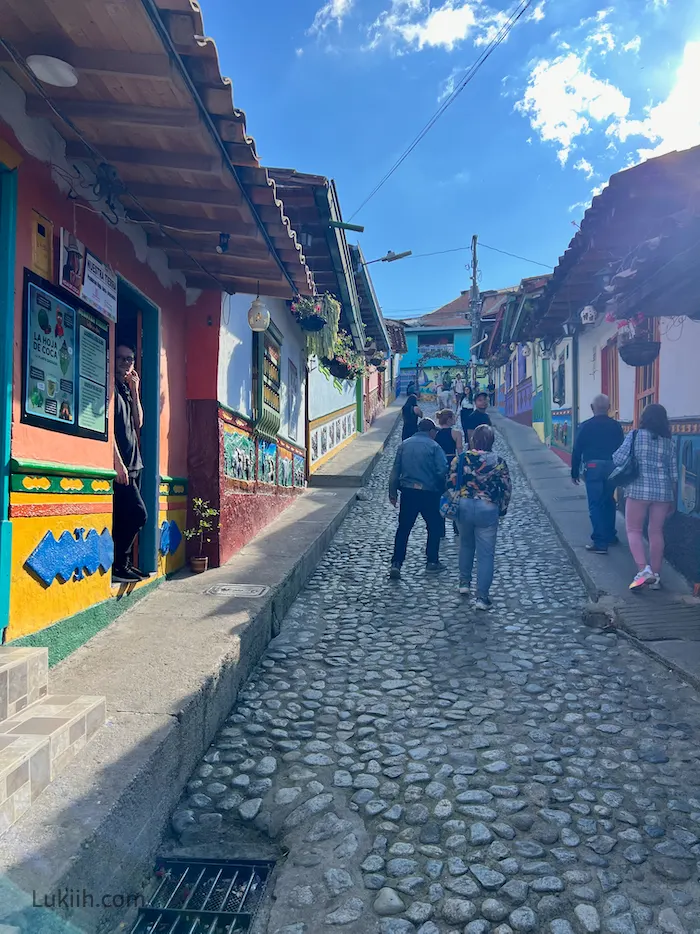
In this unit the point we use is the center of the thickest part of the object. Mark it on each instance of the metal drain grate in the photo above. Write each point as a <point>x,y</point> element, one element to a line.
<point>238,590</point>
<point>204,896</point>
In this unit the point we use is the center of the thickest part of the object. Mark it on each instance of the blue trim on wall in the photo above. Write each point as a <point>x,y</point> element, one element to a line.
<point>8,216</point>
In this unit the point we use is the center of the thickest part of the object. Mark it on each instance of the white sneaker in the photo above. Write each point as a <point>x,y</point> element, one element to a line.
<point>656,583</point>
<point>642,578</point>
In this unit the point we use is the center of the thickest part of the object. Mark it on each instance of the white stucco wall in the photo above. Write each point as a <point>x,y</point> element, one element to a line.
<point>235,374</point>
<point>679,361</point>
<point>324,397</point>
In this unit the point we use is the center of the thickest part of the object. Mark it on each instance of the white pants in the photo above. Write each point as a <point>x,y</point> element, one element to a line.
<point>445,399</point>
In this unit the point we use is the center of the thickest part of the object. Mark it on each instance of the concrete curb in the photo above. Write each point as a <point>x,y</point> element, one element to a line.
<point>97,827</point>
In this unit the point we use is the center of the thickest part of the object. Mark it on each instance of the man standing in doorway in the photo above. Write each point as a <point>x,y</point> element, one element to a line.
<point>596,441</point>
<point>130,514</point>
<point>418,473</point>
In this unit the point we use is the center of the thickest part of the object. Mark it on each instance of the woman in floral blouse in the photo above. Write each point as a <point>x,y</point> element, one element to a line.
<point>652,494</point>
<point>484,489</point>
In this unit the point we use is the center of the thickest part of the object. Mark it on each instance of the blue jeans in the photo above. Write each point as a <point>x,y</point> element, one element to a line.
<point>601,502</point>
<point>478,528</point>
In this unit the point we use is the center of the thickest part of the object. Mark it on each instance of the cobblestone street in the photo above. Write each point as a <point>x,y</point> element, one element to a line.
<point>425,768</point>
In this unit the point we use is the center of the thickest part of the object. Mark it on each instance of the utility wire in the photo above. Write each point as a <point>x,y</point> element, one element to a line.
<point>470,73</point>
<point>461,249</point>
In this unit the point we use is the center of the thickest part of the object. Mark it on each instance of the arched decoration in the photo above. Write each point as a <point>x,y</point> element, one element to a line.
<point>438,355</point>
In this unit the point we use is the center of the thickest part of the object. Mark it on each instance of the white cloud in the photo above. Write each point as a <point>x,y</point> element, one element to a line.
<point>583,165</point>
<point>298,52</point>
<point>564,98</point>
<point>420,24</point>
<point>449,84</point>
<point>603,37</point>
<point>332,12</point>
<point>634,45</point>
<point>673,123</point>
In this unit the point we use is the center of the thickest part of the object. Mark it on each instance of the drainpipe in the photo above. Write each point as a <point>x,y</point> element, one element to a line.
<point>575,380</point>
<point>359,399</point>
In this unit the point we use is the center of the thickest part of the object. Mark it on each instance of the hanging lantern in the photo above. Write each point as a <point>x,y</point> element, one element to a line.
<point>258,314</point>
<point>588,315</point>
<point>526,350</point>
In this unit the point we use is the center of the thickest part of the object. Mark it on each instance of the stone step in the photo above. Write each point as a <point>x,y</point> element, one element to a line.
<point>37,743</point>
<point>24,675</point>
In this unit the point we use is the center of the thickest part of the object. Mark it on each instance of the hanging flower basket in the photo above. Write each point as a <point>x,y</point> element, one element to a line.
<point>309,313</point>
<point>346,362</point>
<point>635,352</point>
<point>382,367</point>
<point>376,359</point>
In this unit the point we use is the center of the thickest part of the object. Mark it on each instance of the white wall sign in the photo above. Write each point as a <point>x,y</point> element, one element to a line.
<point>86,276</point>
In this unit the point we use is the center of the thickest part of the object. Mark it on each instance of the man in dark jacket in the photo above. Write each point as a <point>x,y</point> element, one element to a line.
<point>596,441</point>
<point>419,473</point>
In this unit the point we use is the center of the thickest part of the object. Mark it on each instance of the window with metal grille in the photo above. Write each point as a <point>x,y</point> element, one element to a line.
<point>647,377</point>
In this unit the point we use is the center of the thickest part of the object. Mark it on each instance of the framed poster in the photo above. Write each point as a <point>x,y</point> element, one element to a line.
<point>87,277</point>
<point>65,385</point>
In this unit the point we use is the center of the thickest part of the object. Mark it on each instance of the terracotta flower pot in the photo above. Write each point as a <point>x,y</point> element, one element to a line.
<point>199,565</point>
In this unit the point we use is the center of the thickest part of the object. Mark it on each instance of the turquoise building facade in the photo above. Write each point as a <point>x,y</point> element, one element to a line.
<point>432,352</point>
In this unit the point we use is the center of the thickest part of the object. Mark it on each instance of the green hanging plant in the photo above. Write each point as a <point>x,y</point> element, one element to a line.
<point>345,362</point>
<point>319,342</point>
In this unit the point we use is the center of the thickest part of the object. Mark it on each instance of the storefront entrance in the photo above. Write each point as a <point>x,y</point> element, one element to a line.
<point>8,204</point>
<point>138,326</point>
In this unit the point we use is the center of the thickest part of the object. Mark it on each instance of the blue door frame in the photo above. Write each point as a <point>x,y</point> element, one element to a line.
<point>150,434</point>
<point>8,215</point>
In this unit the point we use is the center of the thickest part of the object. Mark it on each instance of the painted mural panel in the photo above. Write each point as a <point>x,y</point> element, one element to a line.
<point>326,437</point>
<point>267,462</point>
<point>562,431</point>
<point>299,470</point>
<point>285,476</point>
<point>239,455</point>
<point>689,475</point>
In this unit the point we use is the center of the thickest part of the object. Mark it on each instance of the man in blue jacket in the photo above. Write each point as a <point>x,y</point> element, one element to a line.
<point>418,474</point>
<point>596,442</point>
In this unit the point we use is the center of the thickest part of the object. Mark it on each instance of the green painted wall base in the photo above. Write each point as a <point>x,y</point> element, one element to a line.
<point>68,634</point>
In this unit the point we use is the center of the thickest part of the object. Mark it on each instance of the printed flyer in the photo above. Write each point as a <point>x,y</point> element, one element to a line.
<point>50,384</point>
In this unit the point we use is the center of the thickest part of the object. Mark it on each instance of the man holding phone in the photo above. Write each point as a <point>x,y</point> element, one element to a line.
<point>129,509</point>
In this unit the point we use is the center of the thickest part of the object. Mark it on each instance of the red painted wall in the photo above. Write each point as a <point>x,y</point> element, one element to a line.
<point>180,341</point>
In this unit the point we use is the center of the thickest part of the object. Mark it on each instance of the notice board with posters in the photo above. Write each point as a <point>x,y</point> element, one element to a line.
<point>65,378</point>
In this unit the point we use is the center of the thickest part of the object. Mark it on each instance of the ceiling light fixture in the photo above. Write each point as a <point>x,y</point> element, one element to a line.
<point>53,71</point>
<point>223,243</point>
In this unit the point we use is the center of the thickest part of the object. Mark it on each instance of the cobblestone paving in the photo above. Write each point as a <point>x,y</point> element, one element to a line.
<point>431,769</point>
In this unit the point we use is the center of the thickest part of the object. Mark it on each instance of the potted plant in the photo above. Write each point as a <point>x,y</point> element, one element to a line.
<point>309,313</point>
<point>346,362</point>
<point>204,517</point>
<point>635,346</point>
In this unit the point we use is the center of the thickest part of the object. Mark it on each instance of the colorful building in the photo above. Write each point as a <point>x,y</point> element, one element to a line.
<point>112,207</point>
<point>438,345</point>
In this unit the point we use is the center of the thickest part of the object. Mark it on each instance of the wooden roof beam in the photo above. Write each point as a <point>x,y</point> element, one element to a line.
<point>111,112</point>
<point>227,265</point>
<point>204,245</point>
<point>187,224</point>
<point>97,61</point>
<point>271,288</point>
<point>130,155</point>
<point>215,197</point>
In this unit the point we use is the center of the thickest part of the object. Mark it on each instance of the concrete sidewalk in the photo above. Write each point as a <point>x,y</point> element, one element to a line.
<point>353,465</point>
<point>665,623</point>
<point>170,668</point>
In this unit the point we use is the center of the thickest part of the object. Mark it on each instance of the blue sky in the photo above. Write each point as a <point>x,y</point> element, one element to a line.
<point>578,91</point>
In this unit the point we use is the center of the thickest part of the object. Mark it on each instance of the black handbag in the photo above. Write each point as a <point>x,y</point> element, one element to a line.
<point>629,471</point>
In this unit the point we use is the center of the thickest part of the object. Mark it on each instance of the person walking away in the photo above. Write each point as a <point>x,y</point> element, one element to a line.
<point>410,412</point>
<point>652,494</point>
<point>459,391</point>
<point>465,410</point>
<point>596,441</point>
<point>418,475</point>
<point>492,393</point>
<point>484,495</point>
<point>444,397</point>
<point>478,417</point>
<point>450,440</point>
<point>129,509</point>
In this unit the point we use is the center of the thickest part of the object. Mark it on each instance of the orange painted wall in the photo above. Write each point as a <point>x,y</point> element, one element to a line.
<point>180,348</point>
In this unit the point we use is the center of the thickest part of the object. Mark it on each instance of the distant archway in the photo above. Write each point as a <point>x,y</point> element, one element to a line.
<point>439,355</point>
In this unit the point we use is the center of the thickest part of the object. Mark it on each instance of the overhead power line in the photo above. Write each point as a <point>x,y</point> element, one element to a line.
<point>461,249</point>
<point>466,79</point>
